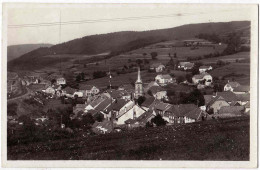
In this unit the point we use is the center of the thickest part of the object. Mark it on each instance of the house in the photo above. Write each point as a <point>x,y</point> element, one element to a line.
<point>164,79</point>
<point>243,99</point>
<point>151,84</point>
<point>127,87</point>
<point>216,103</point>
<point>49,90</point>
<point>158,92</point>
<point>79,108</point>
<point>102,127</point>
<point>89,90</point>
<point>132,113</point>
<point>231,85</point>
<point>242,89</point>
<point>141,120</point>
<point>185,65</point>
<point>103,106</point>
<point>161,107</point>
<point>204,78</point>
<point>176,113</point>
<point>158,67</point>
<point>228,96</point>
<point>60,81</point>
<point>203,69</point>
<point>147,104</point>
<point>231,111</point>
<point>121,106</point>
<point>195,115</point>
<point>68,91</point>
<point>112,93</point>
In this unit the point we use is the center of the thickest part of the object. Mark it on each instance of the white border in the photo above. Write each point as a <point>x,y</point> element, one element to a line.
<point>144,164</point>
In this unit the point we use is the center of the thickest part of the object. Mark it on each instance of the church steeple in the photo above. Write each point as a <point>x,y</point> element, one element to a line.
<point>139,91</point>
<point>139,76</point>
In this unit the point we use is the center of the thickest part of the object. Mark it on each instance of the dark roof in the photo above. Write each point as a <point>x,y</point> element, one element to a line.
<point>103,105</point>
<point>97,101</point>
<point>148,102</point>
<point>207,99</point>
<point>181,110</point>
<point>86,87</point>
<point>232,109</point>
<point>234,103</point>
<point>114,93</point>
<point>162,106</point>
<point>242,88</point>
<point>127,86</point>
<point>145,116</point>
<point>228,96</point>
<point>119,104</point>
<point>243,97</point>
<point>217,98</point>
<point>195,114</point>
<point>155,89</point>
<point>69,90</point>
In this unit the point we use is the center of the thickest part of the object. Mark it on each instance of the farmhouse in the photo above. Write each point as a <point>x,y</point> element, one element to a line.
<point>228,96</point>
<point>185,65</point>
<point>216,103</point>
<point>49,90</point>
<point>102,127</point>
<point>204,78</point>
<point>68,91</point>
<point>61,81</point>
<point>141,120</point>
<point>243,99</point>
<point>158,67</point>
<point>158,92</point>
<point>176,113</point>
<point>231,85</point>
<point>203,69</point>
<point>164,79</point>
<point>151,84</point>
<point>90,90</point>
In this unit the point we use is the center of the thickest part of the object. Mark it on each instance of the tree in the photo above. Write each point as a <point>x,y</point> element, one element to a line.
<point>175,55</point>
<point>12,109</point>
<point>154,55</point>
<point>195,97</point>
<point>99,117</point>
<point>150,92</point>
<point>148,124</point>
<point>129,60</point>
<point>158,120</point>
<point>88,120</point>
<point>180,79</point>
<point>140,100</point>
<point>53,81</point>
<point>189,78</point>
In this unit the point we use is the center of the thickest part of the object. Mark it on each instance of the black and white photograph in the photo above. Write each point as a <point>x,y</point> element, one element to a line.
<point>130,82</point>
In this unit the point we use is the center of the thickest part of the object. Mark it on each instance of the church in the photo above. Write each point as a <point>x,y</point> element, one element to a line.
<point>139,90</point>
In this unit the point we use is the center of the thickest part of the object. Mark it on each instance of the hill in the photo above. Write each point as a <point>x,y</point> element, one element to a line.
<point>119,42</point>
<point>222,139</point>
<point>15,51</point>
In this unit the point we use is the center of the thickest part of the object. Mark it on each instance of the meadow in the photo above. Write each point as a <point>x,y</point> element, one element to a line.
<point>223,139</point>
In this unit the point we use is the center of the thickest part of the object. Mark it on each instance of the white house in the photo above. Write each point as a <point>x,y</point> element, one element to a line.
<point>132,113</point>
<point>158,67</point>
<point>61,81</point>
<point>231,85</point>
<point>90,90</point>
<point>186,65</point>
<point>199,78</point>
<point>204,69</point>
<point>158,92</point>
<point>164,79</point>
<point>49,90</point>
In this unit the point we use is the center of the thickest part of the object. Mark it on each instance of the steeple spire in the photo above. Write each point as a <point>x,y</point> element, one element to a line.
<point>139,76</point>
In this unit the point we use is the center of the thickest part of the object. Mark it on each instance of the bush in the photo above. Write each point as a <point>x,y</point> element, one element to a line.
<point>158,120</point>
<point>154,55</point>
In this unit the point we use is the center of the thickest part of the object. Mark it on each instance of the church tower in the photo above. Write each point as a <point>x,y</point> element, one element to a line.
<point>139,91</point>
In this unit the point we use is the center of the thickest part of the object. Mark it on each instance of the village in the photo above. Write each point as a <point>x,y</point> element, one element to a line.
<point>141,104</point>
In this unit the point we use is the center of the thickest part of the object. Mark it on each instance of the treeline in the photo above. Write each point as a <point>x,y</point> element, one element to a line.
<point>210,37</point>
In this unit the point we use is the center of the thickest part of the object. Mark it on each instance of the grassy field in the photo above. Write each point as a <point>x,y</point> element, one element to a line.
<point>226,139</point>
<point>240,72</point>
<point>228,58</point>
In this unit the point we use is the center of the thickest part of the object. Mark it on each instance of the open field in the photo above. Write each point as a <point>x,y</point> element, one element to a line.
<point>224,139</point>
<point>146,77</point>
<point>228,58</point>
<point>238,71</point>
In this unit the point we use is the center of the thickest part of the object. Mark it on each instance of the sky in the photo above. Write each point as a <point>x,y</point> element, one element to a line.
<point>181,14</point>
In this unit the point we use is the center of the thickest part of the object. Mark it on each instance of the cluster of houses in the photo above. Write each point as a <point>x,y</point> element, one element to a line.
<point>120,107</point>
